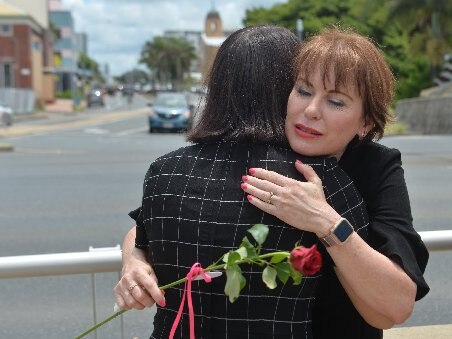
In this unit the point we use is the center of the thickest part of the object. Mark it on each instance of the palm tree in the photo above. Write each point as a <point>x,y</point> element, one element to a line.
<point>428,22</point>
<point>168,58</point>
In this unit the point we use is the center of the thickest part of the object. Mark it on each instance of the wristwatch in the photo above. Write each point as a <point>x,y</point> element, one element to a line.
<point>338,234</point>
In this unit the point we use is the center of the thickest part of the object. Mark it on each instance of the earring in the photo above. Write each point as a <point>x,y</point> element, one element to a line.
<point>363,135</point>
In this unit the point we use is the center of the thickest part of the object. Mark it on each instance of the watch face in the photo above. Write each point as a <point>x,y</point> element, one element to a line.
<point>343,230</point>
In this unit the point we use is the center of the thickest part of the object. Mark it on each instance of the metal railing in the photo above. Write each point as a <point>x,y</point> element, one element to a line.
<point>98,260</point>
<point>109,259</point>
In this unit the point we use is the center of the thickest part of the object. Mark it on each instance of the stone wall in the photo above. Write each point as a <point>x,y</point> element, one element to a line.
<point>426,115</point>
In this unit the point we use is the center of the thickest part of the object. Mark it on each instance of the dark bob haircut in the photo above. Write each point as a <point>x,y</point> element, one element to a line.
<point>248,87</point>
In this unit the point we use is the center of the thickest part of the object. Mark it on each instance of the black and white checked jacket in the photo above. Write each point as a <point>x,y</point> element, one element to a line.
<point>193,210</point>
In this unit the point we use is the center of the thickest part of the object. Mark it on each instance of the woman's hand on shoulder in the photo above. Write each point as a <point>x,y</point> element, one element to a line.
<point>138,287</point>
<point>297,203</point>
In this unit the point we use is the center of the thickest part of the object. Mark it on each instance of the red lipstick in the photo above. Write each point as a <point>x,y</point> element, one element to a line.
<point>306,132</point>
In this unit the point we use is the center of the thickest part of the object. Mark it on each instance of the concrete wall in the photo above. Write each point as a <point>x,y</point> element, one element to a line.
<point>431,115</point>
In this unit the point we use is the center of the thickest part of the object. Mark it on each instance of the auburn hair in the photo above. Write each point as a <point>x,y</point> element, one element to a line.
<point>352,59</point>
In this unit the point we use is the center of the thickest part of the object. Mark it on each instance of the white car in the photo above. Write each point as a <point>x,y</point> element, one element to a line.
<point>6,114</point>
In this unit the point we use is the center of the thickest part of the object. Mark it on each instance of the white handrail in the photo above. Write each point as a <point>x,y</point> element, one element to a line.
<point>437,240</point>
<point>60,264</point>
<point>109,260</point>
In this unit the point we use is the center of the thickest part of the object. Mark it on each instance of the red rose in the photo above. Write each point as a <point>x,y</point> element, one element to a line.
<point>307,261</point>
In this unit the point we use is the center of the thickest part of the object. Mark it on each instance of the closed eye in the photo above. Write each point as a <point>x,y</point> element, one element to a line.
<point>301,91</point>
<point>337,103</point>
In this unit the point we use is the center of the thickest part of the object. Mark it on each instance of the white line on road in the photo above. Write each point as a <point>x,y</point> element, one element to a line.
<point>131,131</point>
<point>96,130</point>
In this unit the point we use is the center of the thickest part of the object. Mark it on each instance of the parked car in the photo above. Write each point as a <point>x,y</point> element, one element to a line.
<point>95,98</point>
<point>6,114</point>
<point>170,111</point>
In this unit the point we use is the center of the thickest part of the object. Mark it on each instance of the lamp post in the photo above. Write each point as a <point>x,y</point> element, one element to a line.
<point>300,29</point>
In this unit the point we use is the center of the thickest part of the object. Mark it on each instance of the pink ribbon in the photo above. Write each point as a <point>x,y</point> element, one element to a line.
<point>195,270</point>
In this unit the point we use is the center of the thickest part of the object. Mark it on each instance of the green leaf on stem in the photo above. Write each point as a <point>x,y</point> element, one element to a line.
<point>283,269</point>
<point>259,233</point>
<point>295,275</point>
<point>278,257</point>
<point>242,251</point>
<point>230,258</point>
<point>269,277</point>
<point>249,247</point>
<point>235,281</point>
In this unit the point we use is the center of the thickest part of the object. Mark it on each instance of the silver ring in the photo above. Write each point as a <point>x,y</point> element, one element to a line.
<point>269,200</point>
<point>131,287</point>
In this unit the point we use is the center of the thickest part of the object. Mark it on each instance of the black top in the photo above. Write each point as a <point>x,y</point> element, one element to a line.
<point>378,174</point>
<point>193,210</point>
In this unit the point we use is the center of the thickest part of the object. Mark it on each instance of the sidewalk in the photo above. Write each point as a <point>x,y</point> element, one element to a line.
<point>420,332</point>
<point>60,105</point>
<point>42,122</point>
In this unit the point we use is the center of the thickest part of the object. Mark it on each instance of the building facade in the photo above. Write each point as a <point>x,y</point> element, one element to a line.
<point>211,39</point>
<point>205,43</point>
<point>25,49</point>
<point>65,54</point>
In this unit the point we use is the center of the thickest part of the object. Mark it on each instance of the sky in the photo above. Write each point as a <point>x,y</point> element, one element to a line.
<point>117,29</point>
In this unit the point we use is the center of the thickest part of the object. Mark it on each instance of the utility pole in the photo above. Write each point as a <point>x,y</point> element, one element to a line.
<point>300,29</point>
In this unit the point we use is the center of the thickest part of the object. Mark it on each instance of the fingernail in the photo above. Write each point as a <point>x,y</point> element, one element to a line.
<point>243,186</point>
<point>249,197</point>
<point>163,292</point>
<point>244,178</point>
<point>298,161</point>
<point>162,302</point>
<point>251,170</point>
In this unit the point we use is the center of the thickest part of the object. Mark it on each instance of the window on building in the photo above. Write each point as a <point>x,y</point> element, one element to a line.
<point>6,75</point>
<point>213,26</point>
<point>36,46</point>
<point>6,29</point>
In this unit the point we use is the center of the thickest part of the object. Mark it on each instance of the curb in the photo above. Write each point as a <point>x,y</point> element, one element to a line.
<point>21,130</point>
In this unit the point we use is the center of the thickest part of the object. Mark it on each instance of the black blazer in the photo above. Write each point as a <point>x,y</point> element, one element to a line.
<point>193,210</point>
<point>377,172</point>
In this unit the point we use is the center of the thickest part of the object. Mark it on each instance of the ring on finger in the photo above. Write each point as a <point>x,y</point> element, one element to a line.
<point>269,200</point>
<point>131,287</point>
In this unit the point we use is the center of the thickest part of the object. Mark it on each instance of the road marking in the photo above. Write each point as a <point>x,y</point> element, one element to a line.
<point>96,130</point>
<point>56,151</point>
<point>131,131</point>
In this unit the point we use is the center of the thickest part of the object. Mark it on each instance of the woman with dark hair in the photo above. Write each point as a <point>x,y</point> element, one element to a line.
<point>193,210</point>
<point>248,88</point>
<point>339,104</point>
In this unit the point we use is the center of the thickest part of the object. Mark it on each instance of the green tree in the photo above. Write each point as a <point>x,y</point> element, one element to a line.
<point>429,25</point>
<point>368,17</point>
<point>168,58</point>
<point>86,63</point>
<point>315,14</point>
<point>133,77</point>
<point>411,71</point>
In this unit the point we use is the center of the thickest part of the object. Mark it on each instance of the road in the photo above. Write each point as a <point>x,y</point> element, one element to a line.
<point>67,190</point>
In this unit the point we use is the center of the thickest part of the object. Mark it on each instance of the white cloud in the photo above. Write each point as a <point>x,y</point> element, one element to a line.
<point>117,29</point>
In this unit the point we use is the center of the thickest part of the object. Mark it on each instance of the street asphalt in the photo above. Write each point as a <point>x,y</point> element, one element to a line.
<point>42,123</point>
